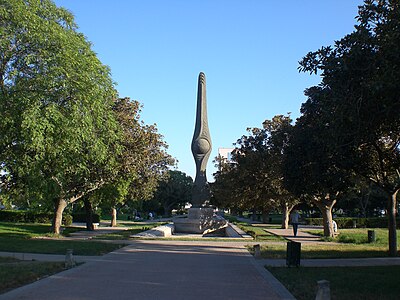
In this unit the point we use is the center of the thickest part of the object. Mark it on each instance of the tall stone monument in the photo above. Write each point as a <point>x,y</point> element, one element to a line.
<point>201,146</point>
<point>201,218</point>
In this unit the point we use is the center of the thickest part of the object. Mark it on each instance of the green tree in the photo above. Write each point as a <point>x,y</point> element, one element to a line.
<point>141,163</point>
<point>59,134</point>
<point>223,189</point>
<point>253,180</point>
<point>310,170</point>
<point>279,129</point>
<point>360,90</point>
<point>174,191</point>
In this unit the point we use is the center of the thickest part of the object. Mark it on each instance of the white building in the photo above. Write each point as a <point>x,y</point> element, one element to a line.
<point>225,153</point>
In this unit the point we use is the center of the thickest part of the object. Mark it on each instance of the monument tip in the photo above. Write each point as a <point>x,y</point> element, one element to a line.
<point>202,77</point>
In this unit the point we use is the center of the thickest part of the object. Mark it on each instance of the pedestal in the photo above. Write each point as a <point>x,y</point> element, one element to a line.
<point>200,220</point>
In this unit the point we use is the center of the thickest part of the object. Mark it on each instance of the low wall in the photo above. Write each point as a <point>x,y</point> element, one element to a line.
<point>166,230</point>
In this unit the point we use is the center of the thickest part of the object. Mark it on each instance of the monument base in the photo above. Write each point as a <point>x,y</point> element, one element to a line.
<point>200,220</point>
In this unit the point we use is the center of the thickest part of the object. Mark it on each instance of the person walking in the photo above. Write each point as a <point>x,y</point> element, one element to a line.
<point>294,220</point>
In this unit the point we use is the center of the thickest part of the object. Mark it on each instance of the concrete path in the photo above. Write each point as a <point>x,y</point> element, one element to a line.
<point>162,270</point>
<point>87,234</point>
<point>302,236</point>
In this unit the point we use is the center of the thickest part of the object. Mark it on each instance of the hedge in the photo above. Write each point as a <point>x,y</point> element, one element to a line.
<point>81,217</point>
<point>23,216</point>
<point>359,222</point>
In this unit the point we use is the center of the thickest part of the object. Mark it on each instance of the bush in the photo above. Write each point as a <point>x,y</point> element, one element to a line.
<point>380,222</point>
<point>23,216</point>
<point>81,218</point>
<point>349,222</point>
<point>67,220</point>
<point>314,221</point>
<point>230,219</point>
<point>13,216</point>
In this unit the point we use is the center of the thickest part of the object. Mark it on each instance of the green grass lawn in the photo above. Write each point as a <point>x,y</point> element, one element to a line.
<point>368,283</point>
<point>7,259</point>
<point>22,230</point>
<point>351,243</point>
<point>18,273</point>
<point>258,232</point>
<point>33,238</point>
<point>326,250</point>
<point>359,235</point>
<point>57,246</point>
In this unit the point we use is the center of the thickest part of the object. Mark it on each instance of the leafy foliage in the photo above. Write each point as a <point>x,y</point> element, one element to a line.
<point>173,192</point>
<point>253,180</point>
<point>141,164</point>
<point>56,97</point>
<point>357,103</point>
<point>64,132</point>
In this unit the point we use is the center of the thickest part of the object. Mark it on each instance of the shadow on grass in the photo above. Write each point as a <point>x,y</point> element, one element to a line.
<point>368,283</point>
<point>47,246</point>
<point>20,273</point>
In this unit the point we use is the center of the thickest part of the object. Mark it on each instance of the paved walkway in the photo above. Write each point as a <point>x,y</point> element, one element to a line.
<point>162,270</point>
<point>302,236</point>
<point>170,269</point>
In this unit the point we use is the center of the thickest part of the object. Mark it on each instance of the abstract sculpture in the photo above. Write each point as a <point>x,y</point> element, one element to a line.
<point>201,146</point>
<point>200,218</point>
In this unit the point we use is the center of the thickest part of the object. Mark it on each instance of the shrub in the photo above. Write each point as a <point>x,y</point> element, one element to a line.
<point>81,218</point>
<point>314,221</point>
<point>13,216</point>
<point>23,216</point>
<point>67,220</point>
<point>380,222</point>
<point>231,219</point>
<point>349,222</point>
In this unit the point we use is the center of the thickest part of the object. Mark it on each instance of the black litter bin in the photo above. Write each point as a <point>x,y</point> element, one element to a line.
<point>293,254</point>
<point>371,236</point>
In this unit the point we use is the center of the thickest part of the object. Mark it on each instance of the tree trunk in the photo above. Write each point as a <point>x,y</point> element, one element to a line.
<point>113,217</point>
<point>286,209</point>
<point>265,216</point>
<point>89,215</point>
<point>254,215</point>
<point>59,206</point>
<point>364,199</point>
<point>325,206</point>
<point>168,210</point>
<point>392,205</point>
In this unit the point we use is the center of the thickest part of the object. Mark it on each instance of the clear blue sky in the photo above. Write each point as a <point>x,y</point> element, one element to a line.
<point>248,49</point>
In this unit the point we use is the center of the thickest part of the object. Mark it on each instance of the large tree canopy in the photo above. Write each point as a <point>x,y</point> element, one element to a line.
<point>173,191</point>
<point>59,134</point>
<point>254,178</point>
<point>311,164</point>
<point>142,163</point>
<point>64,131</point>
<point>359,96</point>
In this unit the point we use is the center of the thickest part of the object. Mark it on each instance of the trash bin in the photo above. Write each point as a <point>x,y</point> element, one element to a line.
<point>371,236</point>
<point>257,251</point>
<point>293,254</point>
